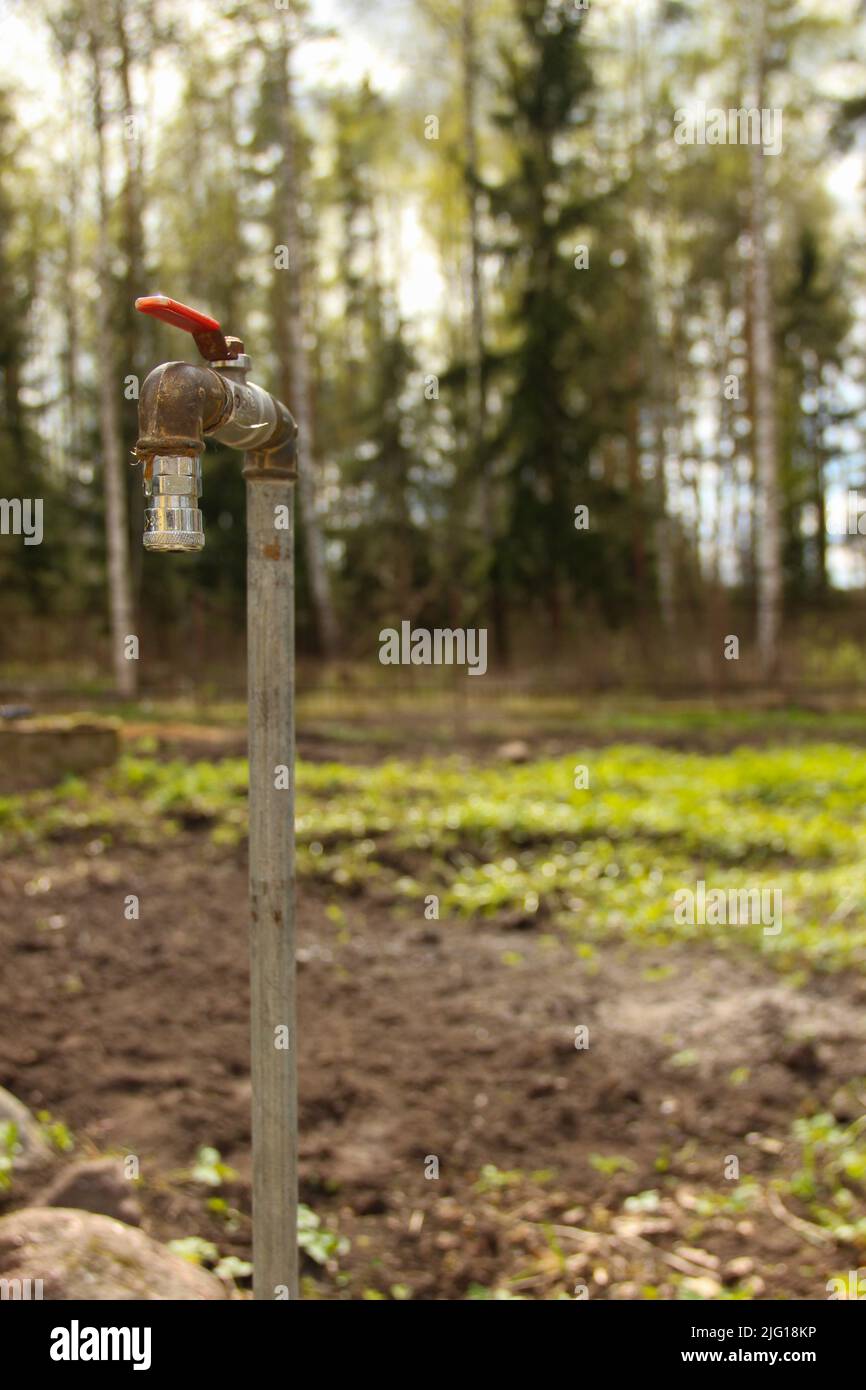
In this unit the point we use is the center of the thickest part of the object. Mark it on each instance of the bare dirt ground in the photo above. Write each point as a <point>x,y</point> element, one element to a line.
<point>422,1039</point>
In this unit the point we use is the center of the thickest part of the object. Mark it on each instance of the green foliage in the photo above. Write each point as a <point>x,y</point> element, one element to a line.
<point>549,427</point>
<point>831,1180</point>
<point>502,839</point>
<point>609,1164</point>
<point>491,1178</point>
<point>560,386</point>
<point>322,1245</point>
<point>8,1150</point>
<point>210,1169</point>
<point>57,1134</point>
<point>195,1249</point>
<point>232,1267</point>
<point>198,1251</point>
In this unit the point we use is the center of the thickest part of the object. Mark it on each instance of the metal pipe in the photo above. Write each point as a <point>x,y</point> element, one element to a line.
<point>270,666</point>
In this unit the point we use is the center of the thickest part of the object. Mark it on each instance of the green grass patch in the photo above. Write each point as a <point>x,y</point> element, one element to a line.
<point>599,861</point>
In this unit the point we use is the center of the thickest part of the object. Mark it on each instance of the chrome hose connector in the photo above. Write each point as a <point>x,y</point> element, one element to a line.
<point>172,519</point>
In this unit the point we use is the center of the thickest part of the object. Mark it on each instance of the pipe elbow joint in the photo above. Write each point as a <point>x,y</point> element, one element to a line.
<point>178,405</point>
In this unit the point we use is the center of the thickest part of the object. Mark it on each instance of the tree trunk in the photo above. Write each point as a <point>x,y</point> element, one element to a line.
<point>297,367</point>
<point>71,308</point>
<point>477,380</point>
<point>117,537</point>
<point>723,468</point>
<point>135,265</point>
<point>769,553</point>
<point>478,395</point>
<point>820,494</point>
<point>635,480</point>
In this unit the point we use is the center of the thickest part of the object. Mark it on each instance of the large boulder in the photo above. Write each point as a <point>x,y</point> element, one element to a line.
<point>21,1137</point>
<point>79,1255</point>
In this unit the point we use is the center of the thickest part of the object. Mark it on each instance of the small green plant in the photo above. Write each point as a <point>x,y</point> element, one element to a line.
<point>491,1178</point>
<point>8,1150</point>
<point>204,1253</point>
<point>611,1163</point>
<point>232,1267</point>
<point>646,1201</point>
<point>831,1179</point>
<point>321,1245</point>
<point>230,1216</point>
<point>210,1169</point>
<point>56,1133</point>
<point>195,1249</point>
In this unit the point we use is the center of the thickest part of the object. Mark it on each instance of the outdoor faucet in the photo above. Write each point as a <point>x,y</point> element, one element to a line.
<point>179,407</point>
<point>181,404</point>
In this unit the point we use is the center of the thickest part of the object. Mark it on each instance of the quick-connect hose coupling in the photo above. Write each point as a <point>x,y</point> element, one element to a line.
<point>172,519</point>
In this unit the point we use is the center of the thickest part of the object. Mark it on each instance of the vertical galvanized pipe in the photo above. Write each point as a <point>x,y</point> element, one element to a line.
<point>270,666</point>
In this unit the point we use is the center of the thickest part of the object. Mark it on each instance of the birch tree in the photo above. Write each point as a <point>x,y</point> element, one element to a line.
<point>116,529</point>
<point>296,369</point>
<point>765,444</point>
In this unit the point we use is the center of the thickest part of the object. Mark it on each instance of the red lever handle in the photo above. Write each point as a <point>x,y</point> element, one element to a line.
<point>209,337</point>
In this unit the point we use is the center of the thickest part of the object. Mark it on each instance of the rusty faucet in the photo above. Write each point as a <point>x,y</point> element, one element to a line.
<point>180,404</point>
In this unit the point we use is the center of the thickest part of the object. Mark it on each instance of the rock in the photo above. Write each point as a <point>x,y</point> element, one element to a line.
<point>804,1058</point>
<point>30,1149</point>
<point>696,1256</point>
<point>96,1185</point>
<point>79,1255</point>
<point>627,1290</point>
<point>702,1286</point>
<point>739,1268</point>
<point>515,751</point>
